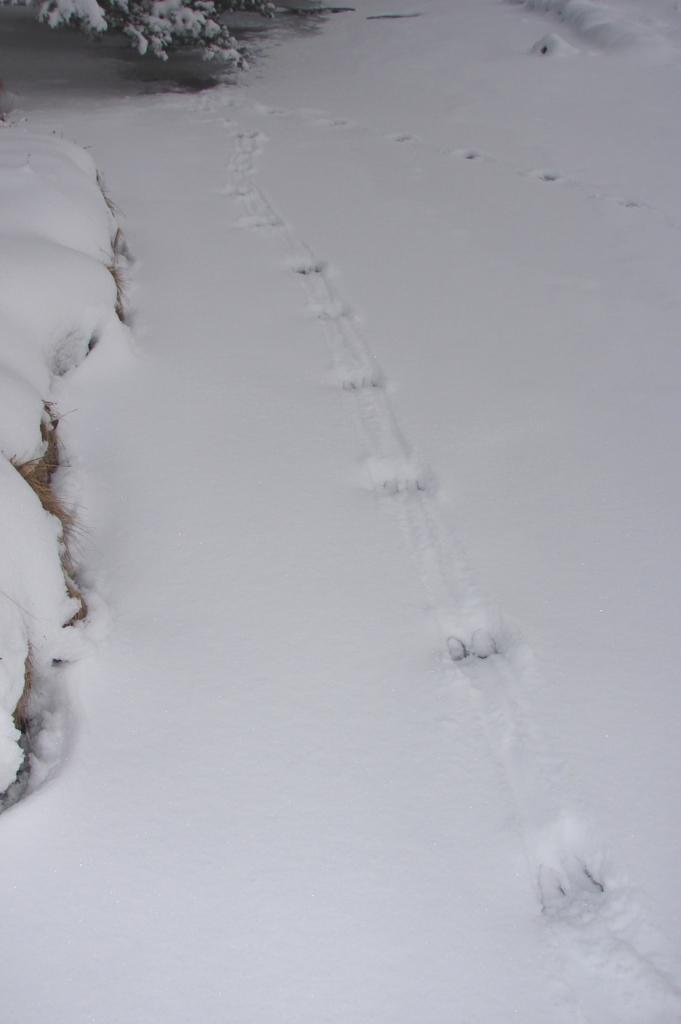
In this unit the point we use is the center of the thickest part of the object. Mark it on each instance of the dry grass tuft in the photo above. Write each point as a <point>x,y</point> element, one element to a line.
<point>119,257</point>
<point>22,710</point>
<point>38,474</point>
<point>119,247</point>
<point>113,209</point>
<point>119,253</point>
<point>74,592</point>
<point>114,269</point>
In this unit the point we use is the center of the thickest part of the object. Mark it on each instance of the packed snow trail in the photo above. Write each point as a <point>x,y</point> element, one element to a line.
<point>284,800</point>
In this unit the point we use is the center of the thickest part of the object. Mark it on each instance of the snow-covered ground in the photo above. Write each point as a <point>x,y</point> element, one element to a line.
<point>405,386</point>
<point>57,301</point>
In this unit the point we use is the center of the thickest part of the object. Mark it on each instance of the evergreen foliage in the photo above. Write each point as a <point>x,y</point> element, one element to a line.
<point>158,26</point>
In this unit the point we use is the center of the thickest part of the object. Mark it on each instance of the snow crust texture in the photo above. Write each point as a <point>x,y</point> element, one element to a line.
<point>57,301</point>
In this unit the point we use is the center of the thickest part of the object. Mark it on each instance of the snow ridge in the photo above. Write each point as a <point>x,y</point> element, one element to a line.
<point>594,23</point>
<point>58,301</point>
<point>615,967</point>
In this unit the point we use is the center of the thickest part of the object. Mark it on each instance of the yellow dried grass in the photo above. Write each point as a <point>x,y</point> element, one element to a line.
<point>22,710</point>
<point>113,209</point>
<point>119,255</point>
<point>119,252</point>
<point>38,474</point>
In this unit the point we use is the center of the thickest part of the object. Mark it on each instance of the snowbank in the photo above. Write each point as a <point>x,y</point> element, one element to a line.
<point>552,45</point>
<point>595,23</point>
<point>58,297</point>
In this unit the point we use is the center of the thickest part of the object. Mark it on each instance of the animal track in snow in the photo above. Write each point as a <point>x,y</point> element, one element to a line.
<point>628,204</point>
<point>306,265</point>
<point>322,119</point>
<point>397,476</point>
<point>362,379</point>
<point>546,175</point>
<point>572,890</point>
<point>260,221</point>
<point>481,644</point>
<point>336,309</point>
<point>333,122</point>
<point>467,154</point>
<point>267,111</point>
<point>401,137</point>
<point>243,192</point>
<point>565,891</point>
<point>551,176</point>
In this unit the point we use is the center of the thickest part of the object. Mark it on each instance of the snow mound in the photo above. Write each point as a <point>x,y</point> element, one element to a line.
<point>58,298</point>
<point>552,45</point>
<point>49,189</point>
<point>595,23</point>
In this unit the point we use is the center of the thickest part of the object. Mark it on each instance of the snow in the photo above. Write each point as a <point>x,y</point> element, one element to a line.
<point>552,45</point>
<point>594,23</point>
<point>378,720</point>
<point>56,297</point>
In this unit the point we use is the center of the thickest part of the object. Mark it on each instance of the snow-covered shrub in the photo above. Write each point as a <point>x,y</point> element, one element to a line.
<point>156,26</point>
<point>596,23</point>
<point>57,295</point>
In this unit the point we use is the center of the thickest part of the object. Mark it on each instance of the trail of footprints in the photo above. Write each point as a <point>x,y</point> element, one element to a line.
<point>390,462</point>
<point>321,119</point>
<point>391,466</point>
<point>584,918</point>
<point>552,176</point>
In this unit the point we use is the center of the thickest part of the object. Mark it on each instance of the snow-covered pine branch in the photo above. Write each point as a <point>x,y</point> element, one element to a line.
<point>157,26</point>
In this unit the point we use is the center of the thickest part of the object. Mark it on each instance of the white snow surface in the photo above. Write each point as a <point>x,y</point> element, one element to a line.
<point>379,722</point>
<point>56,298</point>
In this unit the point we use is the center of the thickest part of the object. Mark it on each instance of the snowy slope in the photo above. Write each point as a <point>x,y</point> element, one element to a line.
<point>407,382</point>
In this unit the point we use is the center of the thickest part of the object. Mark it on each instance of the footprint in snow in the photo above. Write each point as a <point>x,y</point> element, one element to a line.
<point>481,644</point>
<point>546,175</point>
<point>260,222</point>
<point>265,111</point>
<point>401,137</point>
<point>329,311</point>
<point>363,380</point>
<point>397,476</point>
<point>333,122</point>
<point>467,154</point>
<point>252,139</point>
<point>569,891</point>
<point>242,192</point>
<point>570,869</point>
<point>307,266</point>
